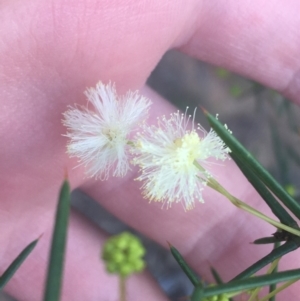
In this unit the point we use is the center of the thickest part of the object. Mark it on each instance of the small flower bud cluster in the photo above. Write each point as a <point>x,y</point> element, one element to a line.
<point>123,254</point>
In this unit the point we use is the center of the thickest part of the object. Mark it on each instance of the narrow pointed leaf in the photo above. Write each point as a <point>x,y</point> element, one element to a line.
<point>275,253</point>
<point>245,156</point>
<point>14,266</point>
<point>56,262</point>
<point>185,267</point>
<point>267,196</point>
<point>251,283</point>
<point>216,276</point>
<point>265,240</point>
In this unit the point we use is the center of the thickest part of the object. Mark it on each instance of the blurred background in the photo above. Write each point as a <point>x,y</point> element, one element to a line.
<point>266,123</point>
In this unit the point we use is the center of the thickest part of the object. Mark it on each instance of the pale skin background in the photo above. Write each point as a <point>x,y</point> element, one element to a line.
<point>50,51</point>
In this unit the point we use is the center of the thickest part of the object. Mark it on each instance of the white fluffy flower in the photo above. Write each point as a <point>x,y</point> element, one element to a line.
<point>168,155</point>
<point>99,135</point>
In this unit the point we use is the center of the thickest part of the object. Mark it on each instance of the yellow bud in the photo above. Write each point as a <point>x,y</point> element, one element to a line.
<point>123,254</point>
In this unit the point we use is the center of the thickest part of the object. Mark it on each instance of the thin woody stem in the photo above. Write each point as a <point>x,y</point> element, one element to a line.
<point>238,203</point>
<point>211,182</point>
<point>278,290</point>
<point>122,287</point>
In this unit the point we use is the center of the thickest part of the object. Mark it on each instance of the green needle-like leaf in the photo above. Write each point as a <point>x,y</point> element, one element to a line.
<point>271,201</point>
<point>247,159</point>
<point>56,262</point>
<point>275,253</point>
<point>265,240</point>
<point>10,271</point>
<point>216,276</point>
<point>250,283</point>
<point>185,267</point>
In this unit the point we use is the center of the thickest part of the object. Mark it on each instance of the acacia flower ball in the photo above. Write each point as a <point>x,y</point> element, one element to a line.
<point>99,135</point>
<point>175,160</point>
